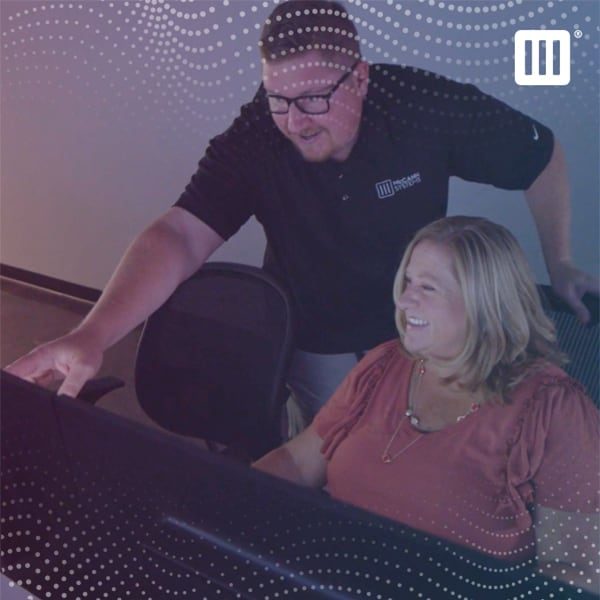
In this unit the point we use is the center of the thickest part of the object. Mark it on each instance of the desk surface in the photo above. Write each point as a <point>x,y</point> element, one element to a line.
<point>97,504</point>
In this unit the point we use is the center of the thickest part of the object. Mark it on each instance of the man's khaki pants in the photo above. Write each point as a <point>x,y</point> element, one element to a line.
<point>312,379</point>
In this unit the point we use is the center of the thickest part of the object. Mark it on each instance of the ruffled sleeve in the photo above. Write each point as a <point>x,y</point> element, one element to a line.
<point>554,458</point>
<point>344,409</point>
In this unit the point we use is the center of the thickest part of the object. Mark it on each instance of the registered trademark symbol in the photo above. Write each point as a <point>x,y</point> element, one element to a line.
<point>578,33</point>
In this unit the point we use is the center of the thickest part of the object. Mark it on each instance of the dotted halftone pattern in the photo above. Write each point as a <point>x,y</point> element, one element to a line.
<point>190,62</point>
<point>85,516</point>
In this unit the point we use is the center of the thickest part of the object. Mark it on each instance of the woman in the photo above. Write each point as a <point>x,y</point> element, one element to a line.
<point>466,427</point>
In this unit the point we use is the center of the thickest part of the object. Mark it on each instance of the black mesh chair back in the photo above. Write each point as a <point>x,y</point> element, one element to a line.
<point>579,342</point>
<point>211,361</point>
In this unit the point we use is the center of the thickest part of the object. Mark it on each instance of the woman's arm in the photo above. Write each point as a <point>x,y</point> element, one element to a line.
<point>567,546</point>
<point>299,460</point>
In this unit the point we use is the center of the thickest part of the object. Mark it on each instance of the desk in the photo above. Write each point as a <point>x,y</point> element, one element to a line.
<point>95,506</point>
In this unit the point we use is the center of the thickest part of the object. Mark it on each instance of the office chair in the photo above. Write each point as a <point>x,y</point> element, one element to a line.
<point>211,360</point>
<point>579,342</point>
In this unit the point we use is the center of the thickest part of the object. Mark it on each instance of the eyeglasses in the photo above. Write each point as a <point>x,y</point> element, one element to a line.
<point>310,104</point>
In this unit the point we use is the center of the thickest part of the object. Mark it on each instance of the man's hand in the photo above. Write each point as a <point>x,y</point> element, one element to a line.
<point>549,199</point>
<point>166,253</point>
<point>571,284</point>
<point>72,357</point>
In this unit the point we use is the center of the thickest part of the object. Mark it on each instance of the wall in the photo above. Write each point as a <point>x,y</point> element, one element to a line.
<point>107,106</point>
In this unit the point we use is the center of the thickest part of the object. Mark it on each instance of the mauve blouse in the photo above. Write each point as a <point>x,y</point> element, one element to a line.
<point>472,482</point>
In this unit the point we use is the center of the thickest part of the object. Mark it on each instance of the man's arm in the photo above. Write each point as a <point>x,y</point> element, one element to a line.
<point>550,204</point>
<point>166,253</point>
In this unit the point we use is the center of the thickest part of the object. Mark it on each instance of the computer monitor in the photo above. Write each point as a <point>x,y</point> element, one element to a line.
<point>96,506</point>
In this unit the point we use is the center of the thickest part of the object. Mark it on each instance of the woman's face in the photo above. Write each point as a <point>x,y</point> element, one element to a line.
<point>432,304</point>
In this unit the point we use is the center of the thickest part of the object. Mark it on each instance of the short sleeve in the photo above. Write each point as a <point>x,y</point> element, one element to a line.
<point>493,143</point>
<point>564,448</point>
<point>484,139</point>
<point>345,407</point>
<point>224,190</point>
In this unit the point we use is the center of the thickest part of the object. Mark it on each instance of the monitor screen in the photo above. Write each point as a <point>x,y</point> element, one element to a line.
<point>96,506</point>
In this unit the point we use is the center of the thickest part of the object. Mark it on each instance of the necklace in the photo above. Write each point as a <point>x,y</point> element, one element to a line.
<point>386,457</point>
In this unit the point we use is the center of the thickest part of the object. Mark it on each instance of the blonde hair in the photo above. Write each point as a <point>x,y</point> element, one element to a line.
<point>507,330</point>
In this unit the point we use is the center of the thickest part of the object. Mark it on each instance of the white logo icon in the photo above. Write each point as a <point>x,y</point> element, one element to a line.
<point>389,187</point>
<point>553,39</point>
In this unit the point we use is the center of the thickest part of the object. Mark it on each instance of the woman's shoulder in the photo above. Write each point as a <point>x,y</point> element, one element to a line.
<point>390,351</point>
<point>548,409</point>
<point>385,358</point>
<point>390,347</point>
<point>547,387</point>
<point>545,376</point>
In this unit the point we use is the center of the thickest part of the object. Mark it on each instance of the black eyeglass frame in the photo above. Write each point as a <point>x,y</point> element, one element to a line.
<point>325,97</point>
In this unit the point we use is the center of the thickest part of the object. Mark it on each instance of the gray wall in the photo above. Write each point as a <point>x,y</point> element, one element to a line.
<point>107,107</point>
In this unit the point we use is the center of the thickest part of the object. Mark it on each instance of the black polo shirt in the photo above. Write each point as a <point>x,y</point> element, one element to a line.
<point>336,231</point>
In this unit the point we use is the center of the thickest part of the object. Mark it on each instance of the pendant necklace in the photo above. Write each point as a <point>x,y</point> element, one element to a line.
<point>386,457</point>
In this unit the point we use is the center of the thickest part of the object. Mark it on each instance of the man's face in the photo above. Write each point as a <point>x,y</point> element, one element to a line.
<point>325,136</point>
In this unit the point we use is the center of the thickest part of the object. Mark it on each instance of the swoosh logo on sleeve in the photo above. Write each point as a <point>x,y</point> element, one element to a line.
<point>536,135</point>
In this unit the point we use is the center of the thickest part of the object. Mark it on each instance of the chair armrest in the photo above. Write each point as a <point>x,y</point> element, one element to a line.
<point>94,389</point>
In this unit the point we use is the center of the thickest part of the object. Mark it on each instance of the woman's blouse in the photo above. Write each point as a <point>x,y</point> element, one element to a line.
<point>473,482</point>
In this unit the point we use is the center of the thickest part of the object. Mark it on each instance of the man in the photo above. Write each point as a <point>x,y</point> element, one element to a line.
<point>341,163</point>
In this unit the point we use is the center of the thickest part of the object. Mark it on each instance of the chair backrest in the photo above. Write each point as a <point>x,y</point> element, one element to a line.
<point>579,342</point>
<point>211,361</point>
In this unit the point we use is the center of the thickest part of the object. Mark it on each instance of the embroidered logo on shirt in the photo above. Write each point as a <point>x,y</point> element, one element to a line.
<point>389,187</point>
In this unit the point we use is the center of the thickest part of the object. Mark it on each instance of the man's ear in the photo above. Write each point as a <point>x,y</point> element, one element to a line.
<point>361,74</point>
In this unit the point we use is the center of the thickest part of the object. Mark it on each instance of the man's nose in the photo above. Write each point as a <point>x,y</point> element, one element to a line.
<point>296,119</point>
